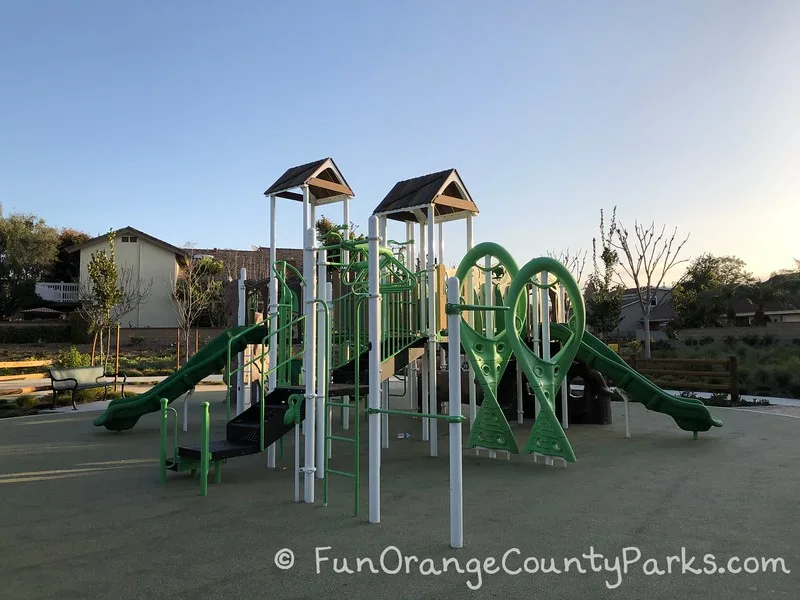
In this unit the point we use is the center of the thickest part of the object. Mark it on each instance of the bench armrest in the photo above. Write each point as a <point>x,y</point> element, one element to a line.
<point>104,375</point>
<point>72,379</point>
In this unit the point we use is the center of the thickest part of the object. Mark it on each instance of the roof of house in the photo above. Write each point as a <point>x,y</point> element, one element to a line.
<point>132,231</point>
<point>444,189</point>
<point>324,180</point>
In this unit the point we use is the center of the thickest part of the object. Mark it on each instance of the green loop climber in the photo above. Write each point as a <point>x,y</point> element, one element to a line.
<point>546,376</point>
<point>489,354</point>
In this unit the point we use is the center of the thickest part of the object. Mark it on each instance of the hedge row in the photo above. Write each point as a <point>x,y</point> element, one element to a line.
<point>35,334</point>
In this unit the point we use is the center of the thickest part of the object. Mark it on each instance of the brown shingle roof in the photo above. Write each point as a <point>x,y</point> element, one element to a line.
<point>324,169</point>
<point>132,231</point>
<point>439,189</point>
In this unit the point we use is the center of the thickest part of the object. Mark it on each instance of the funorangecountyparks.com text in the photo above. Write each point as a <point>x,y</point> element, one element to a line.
<point>516,562</point>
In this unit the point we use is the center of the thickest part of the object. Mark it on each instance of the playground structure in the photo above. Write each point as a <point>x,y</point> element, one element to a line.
<point>376,308</point>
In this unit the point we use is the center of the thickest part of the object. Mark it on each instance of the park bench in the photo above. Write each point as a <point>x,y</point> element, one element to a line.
<point>82,378</point>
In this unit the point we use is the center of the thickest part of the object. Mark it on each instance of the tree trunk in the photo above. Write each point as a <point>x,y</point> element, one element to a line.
<point>188,334</point>
<point>647,336</point>
<point>108,350</point>
<point>94,346</point>
<point>100,345</point>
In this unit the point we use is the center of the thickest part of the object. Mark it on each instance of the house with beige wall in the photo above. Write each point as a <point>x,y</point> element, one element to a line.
<point>156,263</point>
<point>148,262</point>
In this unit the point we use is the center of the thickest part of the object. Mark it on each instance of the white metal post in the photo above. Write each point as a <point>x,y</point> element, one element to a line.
<point>473,392</point>
<point>384,240</point>
<point>384,416</point>
<point>374,374</point>
<point>433,401</point>
<point>546,334</point>
<point>272,315</point>
<point>322,354</point>
<point>562,318</point>
<point>489,301</point>
<point>456,479</point>
<point>536,327</point>
<point>241,317</point>
<point>442,354</point>
<point>329,354</point>
<point>345,258</point>
<point>425,291</point>
<point>310,337</point>
<point>411,367</point>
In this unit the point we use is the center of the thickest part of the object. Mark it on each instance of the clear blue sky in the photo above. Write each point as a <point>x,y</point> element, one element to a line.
<point>174,117</point>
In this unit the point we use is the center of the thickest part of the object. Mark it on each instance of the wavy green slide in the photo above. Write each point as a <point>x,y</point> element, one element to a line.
<point>690,414</point>
<point>123,413</point>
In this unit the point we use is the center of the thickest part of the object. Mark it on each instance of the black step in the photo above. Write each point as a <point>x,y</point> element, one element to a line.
<point>220,449</point>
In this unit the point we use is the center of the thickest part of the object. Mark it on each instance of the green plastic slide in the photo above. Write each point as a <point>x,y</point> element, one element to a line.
<point>690,414</point>
<point>123,413</point>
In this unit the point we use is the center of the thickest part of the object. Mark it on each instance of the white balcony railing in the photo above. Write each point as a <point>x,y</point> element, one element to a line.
<point>57,292</point>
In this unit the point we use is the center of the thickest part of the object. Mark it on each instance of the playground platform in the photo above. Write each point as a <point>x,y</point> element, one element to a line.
<point>84,514</point>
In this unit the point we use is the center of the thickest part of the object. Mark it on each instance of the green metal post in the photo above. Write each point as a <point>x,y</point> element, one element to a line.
<point>205,454</point>
<point>163,453</point>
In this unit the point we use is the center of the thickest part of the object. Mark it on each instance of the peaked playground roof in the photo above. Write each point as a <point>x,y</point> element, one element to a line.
<point>409,200</point>
<point>323,178</point>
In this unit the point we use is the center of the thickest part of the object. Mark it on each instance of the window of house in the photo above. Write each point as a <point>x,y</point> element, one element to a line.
<point>129,239</point>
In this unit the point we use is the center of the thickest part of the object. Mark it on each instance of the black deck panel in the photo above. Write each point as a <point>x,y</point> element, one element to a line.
<point>219,449</point>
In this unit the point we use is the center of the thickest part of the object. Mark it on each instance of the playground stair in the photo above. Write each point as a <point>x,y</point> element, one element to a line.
<point>242,435</point>
<point>400,354</point>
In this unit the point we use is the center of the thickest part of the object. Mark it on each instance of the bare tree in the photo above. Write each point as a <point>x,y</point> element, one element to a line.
<point>195,291</point>
<point>646,263</point>
<point>575,263</point>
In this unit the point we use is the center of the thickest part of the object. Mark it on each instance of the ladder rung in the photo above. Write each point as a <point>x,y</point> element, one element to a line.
<point>341,438</point>
<point>342,473</point>
<point>342,404</point>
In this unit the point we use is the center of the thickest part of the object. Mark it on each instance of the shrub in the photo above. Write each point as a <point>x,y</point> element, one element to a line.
<point>78,329</point>
<point>705,341</point>
<point>136,340</point>
<point>72,358</point>
<point>796,341</point>
<point>768,340</point>
<point>729,341</point>
<point>28,401</point>
<point>664,345</point>
<point>750,339</point>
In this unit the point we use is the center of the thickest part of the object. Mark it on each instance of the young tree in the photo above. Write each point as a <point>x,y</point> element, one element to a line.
<point>329,234</point>
<point>603,297</point>
<point>111,292</point>
<point>28,248</point>
<point>196,291</point>
<point>647,260</point>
